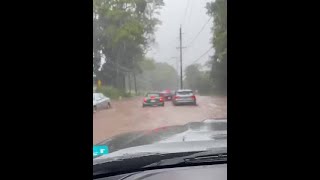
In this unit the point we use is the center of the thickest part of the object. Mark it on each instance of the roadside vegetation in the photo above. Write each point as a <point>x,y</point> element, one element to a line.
<point>211,79</point>
<point>123,31</point>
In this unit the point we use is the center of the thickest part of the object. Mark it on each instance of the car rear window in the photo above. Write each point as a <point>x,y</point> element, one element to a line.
<point>153,94</point>
<point>185,93</point>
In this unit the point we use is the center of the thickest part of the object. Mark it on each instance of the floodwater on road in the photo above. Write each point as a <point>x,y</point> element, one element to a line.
<point>128,115</point>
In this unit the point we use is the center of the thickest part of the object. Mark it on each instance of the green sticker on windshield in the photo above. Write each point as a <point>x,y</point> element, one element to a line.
<point>100,150</point>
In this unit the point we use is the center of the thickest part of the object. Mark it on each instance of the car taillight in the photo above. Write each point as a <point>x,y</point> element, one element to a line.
<point>176,97</point>
<point>145,100</point>
<point>194,97</point>
<point>161,99</point>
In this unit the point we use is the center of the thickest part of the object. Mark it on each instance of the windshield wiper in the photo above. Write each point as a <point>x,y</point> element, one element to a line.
<point>207,158</point>
<point>197,158</point>
<point>148,161</point>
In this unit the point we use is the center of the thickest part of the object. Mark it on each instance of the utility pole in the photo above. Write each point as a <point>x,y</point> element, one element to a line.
<point>129,80</point>
<point>177,64</point>
<point>180,47</point>
<point>135,82</point>
<point>181,83</point>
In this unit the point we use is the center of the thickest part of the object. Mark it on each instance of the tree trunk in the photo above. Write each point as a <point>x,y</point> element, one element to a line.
<point>129,81</point>
<point>135,83</point>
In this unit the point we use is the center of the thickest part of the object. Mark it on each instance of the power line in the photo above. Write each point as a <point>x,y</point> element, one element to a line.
<point>190,12</point>
<point>202,55</point>
<point>199,32</point>
<point>181,78</point>
<point>185,12</point>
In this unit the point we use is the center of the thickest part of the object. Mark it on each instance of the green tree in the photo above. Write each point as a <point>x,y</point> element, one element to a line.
<point>163,77</point>
<point>123,31</point>
<point>192,76</point>
<point>218,10</point>
<point>196,79</point>
<point>156,76</point>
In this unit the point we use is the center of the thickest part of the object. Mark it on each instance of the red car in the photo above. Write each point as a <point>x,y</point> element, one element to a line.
<point>167,95</point>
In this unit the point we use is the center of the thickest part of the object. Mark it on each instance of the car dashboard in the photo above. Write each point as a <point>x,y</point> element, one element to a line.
<point>217,172</point>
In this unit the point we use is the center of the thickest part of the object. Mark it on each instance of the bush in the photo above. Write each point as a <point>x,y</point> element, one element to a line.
<point>112,93</point>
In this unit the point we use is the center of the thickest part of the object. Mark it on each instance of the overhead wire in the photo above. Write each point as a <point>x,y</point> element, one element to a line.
<point>201,55</point>
<point>202,28</point>
<point>185,12</point>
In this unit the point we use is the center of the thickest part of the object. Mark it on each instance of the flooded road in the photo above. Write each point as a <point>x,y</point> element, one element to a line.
<point>128,115</point>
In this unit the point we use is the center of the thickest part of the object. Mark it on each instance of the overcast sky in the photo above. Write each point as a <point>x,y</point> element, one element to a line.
<point>191,14</point>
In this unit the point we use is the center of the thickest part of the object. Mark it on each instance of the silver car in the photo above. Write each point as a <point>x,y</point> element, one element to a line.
<point>100,102</point>
<point>184,96</point>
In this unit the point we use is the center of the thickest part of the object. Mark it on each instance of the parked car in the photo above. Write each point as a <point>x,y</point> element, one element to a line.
<point>100,102</point>
<point>167,94</point>
<point>184,96</point>
<point>153,99</point>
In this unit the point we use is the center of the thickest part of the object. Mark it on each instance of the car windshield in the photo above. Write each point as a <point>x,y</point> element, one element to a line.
<point>159,77</point>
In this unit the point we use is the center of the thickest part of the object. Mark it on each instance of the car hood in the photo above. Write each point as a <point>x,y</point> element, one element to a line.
<point>195,132</point>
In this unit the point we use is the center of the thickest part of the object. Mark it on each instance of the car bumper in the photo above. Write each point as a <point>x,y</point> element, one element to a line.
<point>184,101</point>
<point>153,104</point>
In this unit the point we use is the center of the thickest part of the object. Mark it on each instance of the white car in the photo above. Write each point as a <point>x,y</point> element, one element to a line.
<point>184,96</point>
<point>100,102</point>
